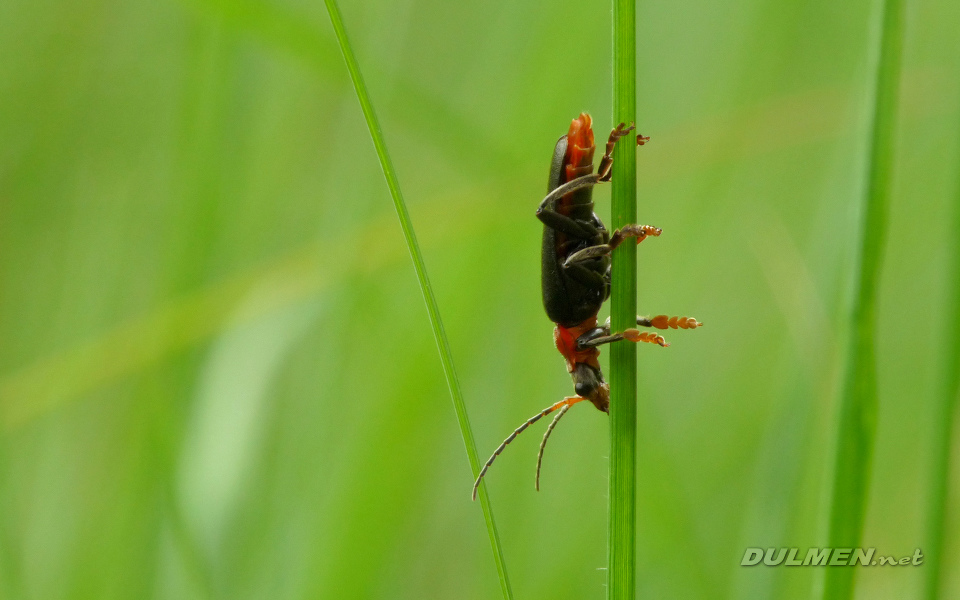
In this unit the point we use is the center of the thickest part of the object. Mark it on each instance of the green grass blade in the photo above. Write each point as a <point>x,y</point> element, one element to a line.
<point>621,574</point>
<point>443,345</point>
<point>858,405</point>
<point>944,434</point>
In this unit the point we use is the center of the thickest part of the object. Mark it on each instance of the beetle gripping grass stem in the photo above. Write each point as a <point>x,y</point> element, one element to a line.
<point>575,274</point>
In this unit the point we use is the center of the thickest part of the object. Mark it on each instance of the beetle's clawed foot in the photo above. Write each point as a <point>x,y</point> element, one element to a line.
<point>636,231</point>
<point>646,230</point>
<point>663,322</point>
<point>604,171</point>
<point>619,131</point>
<point>642,139</point>
<point>635,335</point>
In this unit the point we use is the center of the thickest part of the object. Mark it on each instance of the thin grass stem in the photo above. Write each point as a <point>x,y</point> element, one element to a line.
<point>858,405</point>
<point>621,573</point>
<point>440,335</point>
<point>945,416</point>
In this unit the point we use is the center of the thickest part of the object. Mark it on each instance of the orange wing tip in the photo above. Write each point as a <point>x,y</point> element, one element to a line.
<point>581,131</point>
<point>579,143</point>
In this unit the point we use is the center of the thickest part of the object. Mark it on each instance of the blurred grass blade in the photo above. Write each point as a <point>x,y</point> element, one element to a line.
<point>443,345</point>
<point>858,405</point>
<point>621,554</point>
<point>944,417</point>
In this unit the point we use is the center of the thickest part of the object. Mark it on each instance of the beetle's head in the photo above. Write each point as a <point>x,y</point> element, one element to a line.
<point>588,383</point>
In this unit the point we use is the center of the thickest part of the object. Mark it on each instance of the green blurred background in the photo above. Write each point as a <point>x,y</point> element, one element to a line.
<point>217,376</point>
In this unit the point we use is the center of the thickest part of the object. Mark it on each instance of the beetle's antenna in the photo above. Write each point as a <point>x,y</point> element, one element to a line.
<point>546,435</point>
<point>566,402</point>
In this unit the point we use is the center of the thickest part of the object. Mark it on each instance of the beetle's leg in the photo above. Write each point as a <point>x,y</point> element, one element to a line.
<point>546,435</point>
<point>568,401</point>
<point>663,321</point>
<point>627,231</point>
<point>660,322</point>
<point>633,231</point>
<point>587,338</point>
<point>588,253</point>
<point>572,227</point>
<point>602,335</point>
<point>585,276</point>
<point>570,186</point>
<point>605,170</point>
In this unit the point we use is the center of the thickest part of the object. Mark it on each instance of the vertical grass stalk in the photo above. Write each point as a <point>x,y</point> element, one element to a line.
<point>858,404</point>
<point>622,549</point>
<point>440,335</point>
<point>945,416</point>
